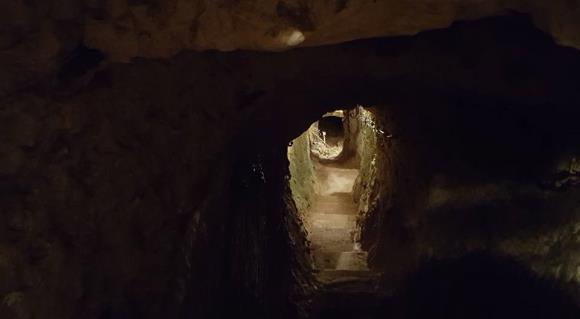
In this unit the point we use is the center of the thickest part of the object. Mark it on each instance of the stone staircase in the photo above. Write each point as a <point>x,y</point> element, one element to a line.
<point>332,223</point>
<point>347,287</point>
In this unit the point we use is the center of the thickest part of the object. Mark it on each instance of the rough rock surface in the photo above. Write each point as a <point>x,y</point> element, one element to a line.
<point>38,37</point>
<point>449,185</point>
<point>130,171</point>
<point>302,181</point>
<point>128,29</point>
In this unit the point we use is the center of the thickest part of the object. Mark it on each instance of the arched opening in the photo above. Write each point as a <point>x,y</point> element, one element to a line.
<point>327,136</point>
<point>325,162</point>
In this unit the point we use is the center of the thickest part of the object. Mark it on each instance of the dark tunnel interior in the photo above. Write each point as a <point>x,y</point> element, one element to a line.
<point>430,174</point>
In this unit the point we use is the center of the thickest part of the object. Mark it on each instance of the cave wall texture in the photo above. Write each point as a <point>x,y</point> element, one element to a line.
<point>129,201</point>
<point>36,37</point>
<point>468,175</point>
<point>389,189</point>
<point>303,180</point>
<point>149,189</point>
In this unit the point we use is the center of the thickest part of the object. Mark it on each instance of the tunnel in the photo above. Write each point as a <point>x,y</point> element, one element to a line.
<point>211,160</point>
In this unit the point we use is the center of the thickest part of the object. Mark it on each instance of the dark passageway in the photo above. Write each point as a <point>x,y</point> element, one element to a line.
<point>289,159</point>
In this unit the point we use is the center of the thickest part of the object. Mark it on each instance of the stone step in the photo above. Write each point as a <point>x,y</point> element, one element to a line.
<point>327,205</point>
<point>338,210</point>
<point>332,221</point>
<point>324,259</point>
<point>336,245</point>
<point>330,276</point>
<point>346,198</point>
<point>352,260</point>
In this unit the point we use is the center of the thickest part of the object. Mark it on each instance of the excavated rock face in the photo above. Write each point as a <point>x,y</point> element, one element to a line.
<point>37,37</point>
<point>153,28</point>
<point>156,188</point>
<point>471,174</point>
<point>481,286</point>
<point>302,182</point>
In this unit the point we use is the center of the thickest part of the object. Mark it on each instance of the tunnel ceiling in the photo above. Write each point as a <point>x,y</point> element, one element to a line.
<point>154,28</point>
<point>35,36</point>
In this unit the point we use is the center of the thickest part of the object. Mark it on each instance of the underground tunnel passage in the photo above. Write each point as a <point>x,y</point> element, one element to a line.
<point>324,167</point>
<point>142,180</point>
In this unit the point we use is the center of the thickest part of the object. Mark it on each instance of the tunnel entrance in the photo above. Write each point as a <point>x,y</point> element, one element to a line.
<point>326,136</point>
<point>325,166</point>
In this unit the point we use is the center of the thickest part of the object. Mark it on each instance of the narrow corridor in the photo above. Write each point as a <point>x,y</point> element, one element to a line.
<point>347,285</point>
<point>333,220</point>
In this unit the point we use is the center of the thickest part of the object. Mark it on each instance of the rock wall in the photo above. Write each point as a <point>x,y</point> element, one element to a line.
<point>471,176</point>
<point>350,150</point>
<point>98,192</point>
<point>506,287</point>
<point>124,200</point>
<point>126,29</point>
<point>37,39</point>
<point>113,187</point>
<point>303,181</point>
<point>389,193</point>
<point>267,262</point>
<point>370,152</point>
